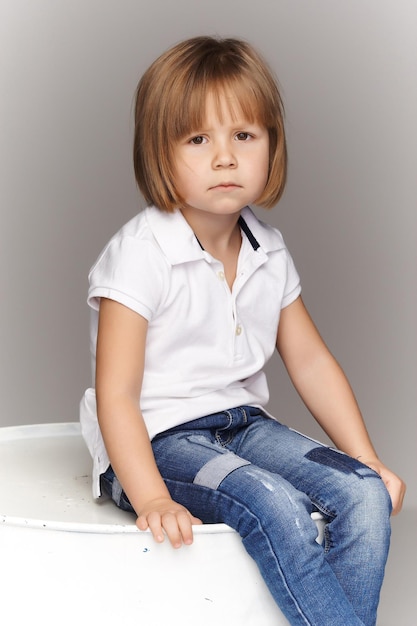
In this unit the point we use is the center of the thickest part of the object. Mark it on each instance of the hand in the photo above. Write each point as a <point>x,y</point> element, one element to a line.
<point>163,514</point>
<point>395,486</point>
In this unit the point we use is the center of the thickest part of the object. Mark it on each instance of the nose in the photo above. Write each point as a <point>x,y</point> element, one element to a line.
<point>224,156</point>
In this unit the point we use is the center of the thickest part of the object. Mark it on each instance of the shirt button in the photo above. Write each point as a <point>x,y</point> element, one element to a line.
<point>221,275</point>
<point>239,330</point>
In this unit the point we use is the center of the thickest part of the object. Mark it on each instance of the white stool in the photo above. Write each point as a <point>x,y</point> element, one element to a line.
<point>67,560</point>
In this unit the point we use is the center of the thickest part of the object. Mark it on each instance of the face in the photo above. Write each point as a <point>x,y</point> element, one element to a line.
<point>223,166</point>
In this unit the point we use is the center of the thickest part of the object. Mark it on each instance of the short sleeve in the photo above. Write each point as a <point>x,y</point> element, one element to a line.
<point>130,271</point>
<point>293,285</point>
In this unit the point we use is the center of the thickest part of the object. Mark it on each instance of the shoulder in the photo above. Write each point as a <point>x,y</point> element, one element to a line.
<point>131,269</point>
<point>132,243</point>
<point>136,229</point>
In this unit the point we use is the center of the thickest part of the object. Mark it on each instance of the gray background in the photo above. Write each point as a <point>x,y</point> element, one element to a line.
<point>348,71</point>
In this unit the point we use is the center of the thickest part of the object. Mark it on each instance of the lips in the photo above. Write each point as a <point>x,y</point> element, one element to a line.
<point>225,186</point>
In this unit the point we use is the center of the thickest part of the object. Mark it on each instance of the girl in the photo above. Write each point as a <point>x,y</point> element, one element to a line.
<point>189,300</point>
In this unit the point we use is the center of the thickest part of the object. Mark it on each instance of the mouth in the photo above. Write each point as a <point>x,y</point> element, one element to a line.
<point>226,186</point>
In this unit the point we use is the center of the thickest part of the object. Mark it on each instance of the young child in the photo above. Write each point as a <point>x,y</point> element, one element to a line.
<point>189,300</point>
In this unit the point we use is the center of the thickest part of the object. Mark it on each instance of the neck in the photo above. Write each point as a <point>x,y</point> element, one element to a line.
<point>217,234</point>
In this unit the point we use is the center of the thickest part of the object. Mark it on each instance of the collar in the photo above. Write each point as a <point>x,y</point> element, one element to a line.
<point>179,243</point>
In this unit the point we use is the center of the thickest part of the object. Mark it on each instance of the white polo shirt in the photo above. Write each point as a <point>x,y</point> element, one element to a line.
<point>206,345</point>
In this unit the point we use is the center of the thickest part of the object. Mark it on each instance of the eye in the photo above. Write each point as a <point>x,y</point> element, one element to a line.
<point>198,140</point>
<point>243,136</point>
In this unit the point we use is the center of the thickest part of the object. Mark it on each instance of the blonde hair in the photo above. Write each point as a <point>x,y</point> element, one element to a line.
<point>170,103</point>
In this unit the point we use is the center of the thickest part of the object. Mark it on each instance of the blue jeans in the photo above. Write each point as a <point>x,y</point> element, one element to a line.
<point>244,469</point>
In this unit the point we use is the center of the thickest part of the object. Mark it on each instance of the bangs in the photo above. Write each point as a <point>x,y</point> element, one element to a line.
<point>243,99</point>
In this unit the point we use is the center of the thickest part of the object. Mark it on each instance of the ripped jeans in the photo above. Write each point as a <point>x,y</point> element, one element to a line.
<point>263,479</point>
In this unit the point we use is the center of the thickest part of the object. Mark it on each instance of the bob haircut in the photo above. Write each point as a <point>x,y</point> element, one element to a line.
<point>170,104</point>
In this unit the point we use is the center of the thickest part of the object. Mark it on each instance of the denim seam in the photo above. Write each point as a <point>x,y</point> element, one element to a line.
<point>223,443</point>
<point>274,556</point>
<point>265,536</point>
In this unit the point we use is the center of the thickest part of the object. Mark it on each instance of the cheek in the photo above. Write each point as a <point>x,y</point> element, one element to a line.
<point>263,169</point>
<point>180,176</point>
<point>262,161</point>
<point>187,184</point>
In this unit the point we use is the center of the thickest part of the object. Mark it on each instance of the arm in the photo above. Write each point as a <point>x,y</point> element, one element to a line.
<point>120,363</point>
<point>326,392</point>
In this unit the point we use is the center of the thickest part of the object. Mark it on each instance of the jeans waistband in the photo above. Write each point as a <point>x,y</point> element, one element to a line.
<point>230,419</point>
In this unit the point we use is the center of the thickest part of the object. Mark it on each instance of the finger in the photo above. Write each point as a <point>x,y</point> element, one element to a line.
<point>396,489</point>
<point>171,527</point>
<point>397,501</point>
<point>155,525</point>
<point>397,506</point>
<point>185,521</point>
<point>142,522</point>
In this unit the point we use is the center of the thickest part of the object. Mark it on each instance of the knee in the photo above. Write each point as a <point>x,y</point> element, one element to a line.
<point>370,506</point>
<point>370,491</point>
<point>355,487</point>
<point>377,500</point>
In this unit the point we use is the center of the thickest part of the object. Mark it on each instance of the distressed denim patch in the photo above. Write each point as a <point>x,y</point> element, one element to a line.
<point>216,470</point>
<point>339,461</point>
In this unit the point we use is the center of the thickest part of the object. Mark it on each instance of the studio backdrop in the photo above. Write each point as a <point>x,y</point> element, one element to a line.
<point>68,71</point>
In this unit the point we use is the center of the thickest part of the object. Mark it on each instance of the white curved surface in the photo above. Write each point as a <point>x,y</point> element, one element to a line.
<point>68,560</point>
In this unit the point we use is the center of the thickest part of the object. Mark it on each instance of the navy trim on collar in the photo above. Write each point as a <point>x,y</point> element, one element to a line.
<point>249,234</point>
